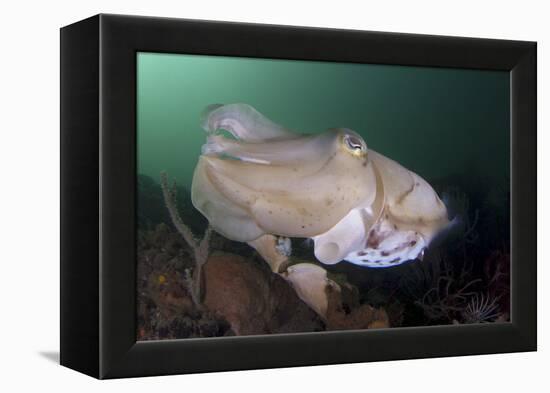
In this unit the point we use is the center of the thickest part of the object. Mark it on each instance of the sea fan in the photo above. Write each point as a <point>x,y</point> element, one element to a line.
<point>481,309</point>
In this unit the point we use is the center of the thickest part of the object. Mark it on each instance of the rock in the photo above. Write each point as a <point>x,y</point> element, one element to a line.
<point>237,290</point>
<point>252,299</point>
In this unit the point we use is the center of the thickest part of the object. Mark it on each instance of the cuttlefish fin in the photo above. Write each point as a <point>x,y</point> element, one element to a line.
<point>274,250</point>
<point>243,122</point>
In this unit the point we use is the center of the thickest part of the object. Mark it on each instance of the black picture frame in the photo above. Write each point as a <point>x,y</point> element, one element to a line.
<point>98,193</point>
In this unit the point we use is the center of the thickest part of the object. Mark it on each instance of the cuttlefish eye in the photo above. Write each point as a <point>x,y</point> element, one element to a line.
<point>355,145</point>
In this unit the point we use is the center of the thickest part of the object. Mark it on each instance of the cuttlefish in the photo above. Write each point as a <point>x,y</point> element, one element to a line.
<point>261,183</point>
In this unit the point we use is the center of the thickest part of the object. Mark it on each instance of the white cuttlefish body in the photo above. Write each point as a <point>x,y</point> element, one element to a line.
<point>269,182</point>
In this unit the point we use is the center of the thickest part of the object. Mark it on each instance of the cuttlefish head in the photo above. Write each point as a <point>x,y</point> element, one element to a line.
<point>397,227</point>
<point>265,179</point>
<point>261,179</point>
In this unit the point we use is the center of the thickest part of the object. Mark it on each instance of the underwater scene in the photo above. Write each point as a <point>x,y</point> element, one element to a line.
<point>285,196</point>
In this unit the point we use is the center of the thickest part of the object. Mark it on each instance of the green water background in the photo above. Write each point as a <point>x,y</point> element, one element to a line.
<point>434,121</point>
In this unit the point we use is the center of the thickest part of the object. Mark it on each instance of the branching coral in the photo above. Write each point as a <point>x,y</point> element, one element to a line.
<point>200,247</point>
<point>450,293</point>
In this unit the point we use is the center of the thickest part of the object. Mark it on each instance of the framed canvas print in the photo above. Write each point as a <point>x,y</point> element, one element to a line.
<point>298,196</point>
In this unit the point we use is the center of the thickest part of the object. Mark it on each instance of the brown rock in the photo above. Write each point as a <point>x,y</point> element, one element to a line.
<point>237,290</point>
<point>253,299</point>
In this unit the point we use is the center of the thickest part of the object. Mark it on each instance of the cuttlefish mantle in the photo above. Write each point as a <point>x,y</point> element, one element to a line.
<point>268,182</point>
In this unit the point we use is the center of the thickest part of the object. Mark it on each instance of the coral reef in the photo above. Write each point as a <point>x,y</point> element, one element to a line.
<point>241,296</point>
<point>205,286</point>
<point>166,308</point>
